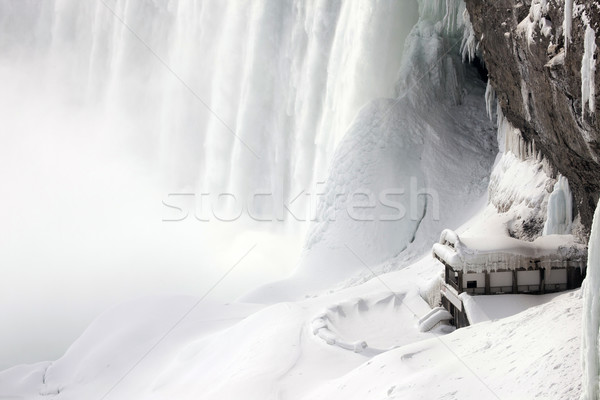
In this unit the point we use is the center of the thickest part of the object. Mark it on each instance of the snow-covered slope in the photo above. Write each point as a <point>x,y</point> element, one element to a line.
<point>274,353</point>
<point>532,355</point>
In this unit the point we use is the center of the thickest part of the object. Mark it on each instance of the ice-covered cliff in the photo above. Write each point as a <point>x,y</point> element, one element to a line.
<point>541,59</point>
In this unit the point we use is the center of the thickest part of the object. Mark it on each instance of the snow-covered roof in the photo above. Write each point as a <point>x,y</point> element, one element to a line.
<point>501,252</point>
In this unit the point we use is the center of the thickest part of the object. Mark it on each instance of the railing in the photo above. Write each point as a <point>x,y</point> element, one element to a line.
<point>501,289</point>
<point>528,288</point>
<point>555,287</point>
<point>477,290</point>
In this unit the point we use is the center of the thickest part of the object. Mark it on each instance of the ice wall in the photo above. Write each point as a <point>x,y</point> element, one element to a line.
<point>591,315</point>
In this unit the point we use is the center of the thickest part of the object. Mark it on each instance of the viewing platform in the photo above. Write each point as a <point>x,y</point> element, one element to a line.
<point>504,265</point>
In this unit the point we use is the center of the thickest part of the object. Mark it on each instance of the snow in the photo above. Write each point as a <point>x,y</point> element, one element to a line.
<point>439,315</point>
<point>372,324</point>
<point>358,319</point>
<point>588,72</point>
<point>560,209</point>
<point>536,20</point>
<point>268,352</point>
<point>517,189</point>
<point>404,145</point>
<point>488,253</point>
<point>591,315</point>
<point>511,358</point>
<point>494,307</point>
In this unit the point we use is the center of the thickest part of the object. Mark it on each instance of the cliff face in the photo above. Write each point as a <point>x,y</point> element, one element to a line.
<point>538,82</point>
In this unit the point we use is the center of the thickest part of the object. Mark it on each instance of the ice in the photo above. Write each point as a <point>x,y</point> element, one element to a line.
<point>469,42</point>
<point>536,21</point>
<point>490,98</point>
<point>405,143</point>
<point>588,72</point>
<point>560,209</point>
<point>591,315</point>
<point>568,23</point>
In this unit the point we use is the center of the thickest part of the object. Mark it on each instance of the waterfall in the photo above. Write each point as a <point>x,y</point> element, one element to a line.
<point>224,95</point>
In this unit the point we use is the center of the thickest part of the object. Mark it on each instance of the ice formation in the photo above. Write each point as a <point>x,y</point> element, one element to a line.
<point>490,97</point>
<point>591,315</point>
<point>568,23</point>
<point>403,144</point>
<point>469,41</point>
<point>536,20</point>
<point>511,139</point>
<point>560,209</point>
<point>588,72</point>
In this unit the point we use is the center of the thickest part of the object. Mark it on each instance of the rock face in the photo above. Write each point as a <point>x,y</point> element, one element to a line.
<point>538,82</point>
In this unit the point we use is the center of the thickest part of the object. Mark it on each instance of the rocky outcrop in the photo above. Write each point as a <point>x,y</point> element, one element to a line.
<point>538,82</point>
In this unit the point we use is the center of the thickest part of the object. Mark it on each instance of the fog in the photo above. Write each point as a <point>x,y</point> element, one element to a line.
<point>107,107</point>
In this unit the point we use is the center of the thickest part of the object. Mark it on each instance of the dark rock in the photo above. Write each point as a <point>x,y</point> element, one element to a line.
<point>543,98</point>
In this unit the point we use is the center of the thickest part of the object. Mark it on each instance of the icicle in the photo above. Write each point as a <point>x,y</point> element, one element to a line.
<point>568,22</point>
<point>501,135</point>
<point>469,43</point>
<point>490,96</point>
<point>588,72</point>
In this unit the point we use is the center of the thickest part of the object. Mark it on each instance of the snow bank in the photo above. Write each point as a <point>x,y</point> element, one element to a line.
<point>591,315</point>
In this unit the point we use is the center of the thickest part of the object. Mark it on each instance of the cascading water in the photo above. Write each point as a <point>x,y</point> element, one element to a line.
<point>237,96</point>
